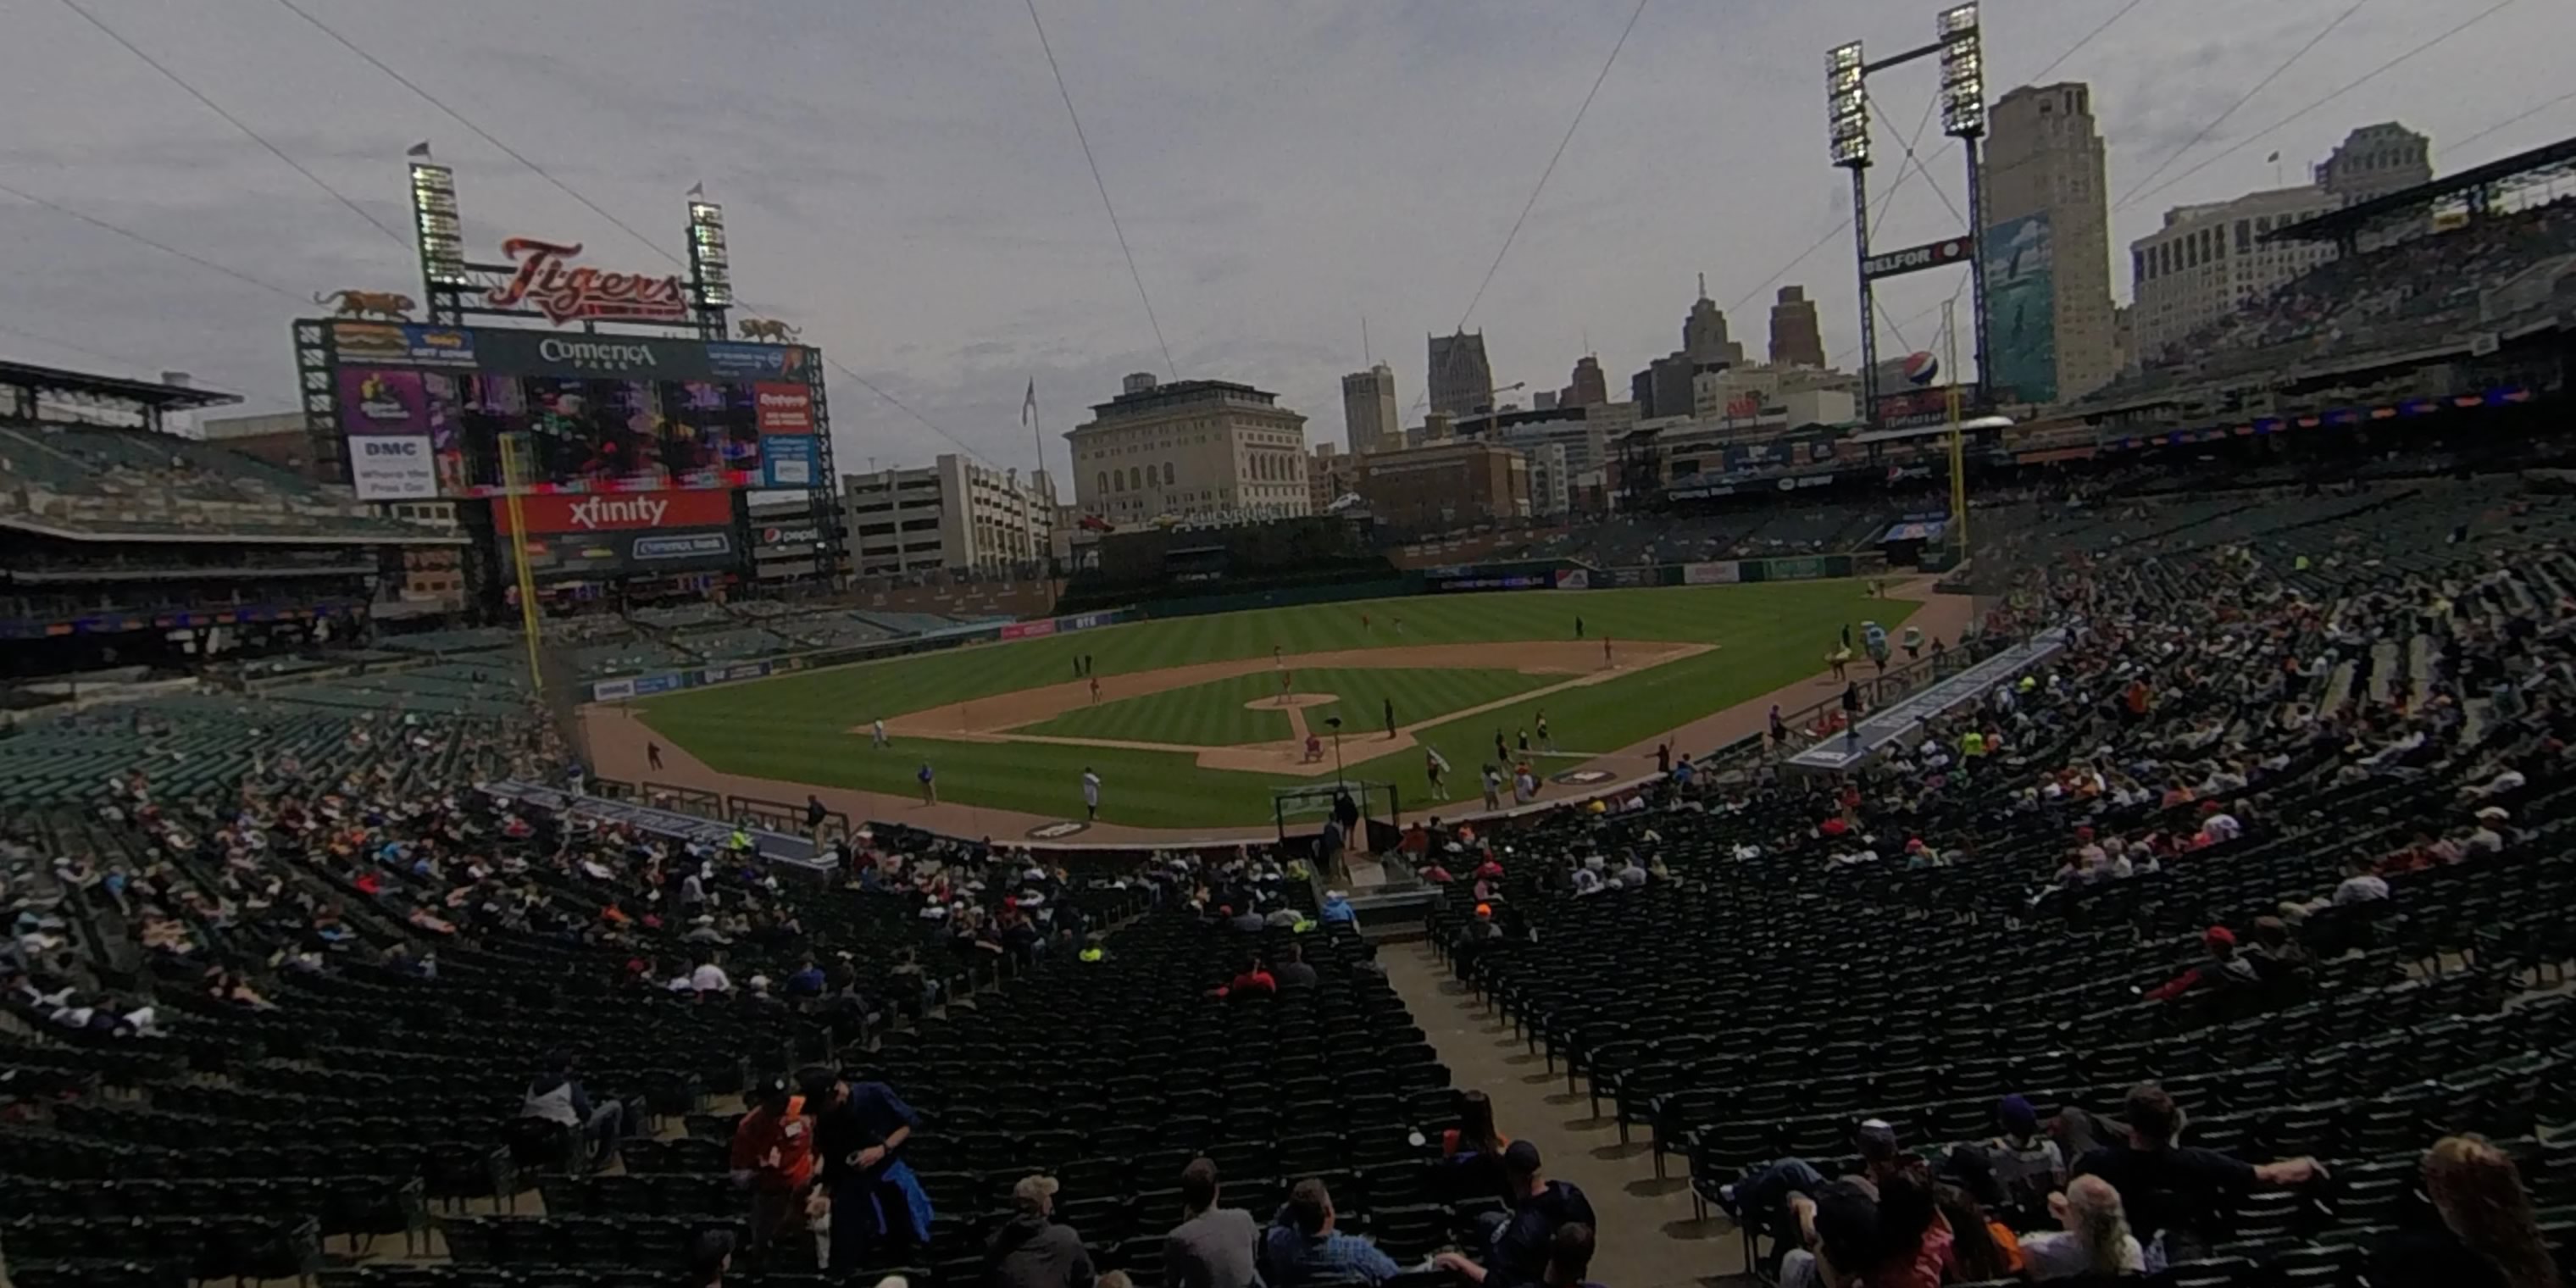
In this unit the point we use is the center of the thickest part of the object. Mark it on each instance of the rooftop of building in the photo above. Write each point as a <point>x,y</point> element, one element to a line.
<point>1177,393</point>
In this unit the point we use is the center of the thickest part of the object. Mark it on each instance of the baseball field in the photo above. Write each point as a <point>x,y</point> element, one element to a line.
<point>1193,722</point>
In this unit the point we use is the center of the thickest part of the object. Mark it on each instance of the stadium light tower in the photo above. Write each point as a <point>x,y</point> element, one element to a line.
<point>1961,51</point>
<point>1847,141</point>
<point>441,236</point>
<point>710,267</point>
<point>1963,117</point>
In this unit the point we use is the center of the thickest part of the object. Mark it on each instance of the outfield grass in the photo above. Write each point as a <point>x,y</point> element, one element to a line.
<point>1202,715</point>
<point>798,728</point>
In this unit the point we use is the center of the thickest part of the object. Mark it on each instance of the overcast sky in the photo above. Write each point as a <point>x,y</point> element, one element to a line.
<point>902,181</point>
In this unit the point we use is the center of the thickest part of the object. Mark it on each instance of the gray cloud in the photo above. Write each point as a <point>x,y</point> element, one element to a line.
<point>902,182</point>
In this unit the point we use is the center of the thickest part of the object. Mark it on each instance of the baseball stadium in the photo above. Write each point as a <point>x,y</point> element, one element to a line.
<point>528,815</point>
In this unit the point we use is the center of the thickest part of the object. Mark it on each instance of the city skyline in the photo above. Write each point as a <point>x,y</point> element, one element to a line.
<point>954,249</point>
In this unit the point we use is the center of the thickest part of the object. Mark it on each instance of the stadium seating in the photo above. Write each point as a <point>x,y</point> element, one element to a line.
<point>2326,672</point>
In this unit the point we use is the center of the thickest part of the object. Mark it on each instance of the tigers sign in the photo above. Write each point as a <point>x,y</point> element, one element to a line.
<point>547,283</point>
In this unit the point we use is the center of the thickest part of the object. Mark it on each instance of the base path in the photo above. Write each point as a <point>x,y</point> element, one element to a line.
<point>616,740</point>
<point>999,718</point>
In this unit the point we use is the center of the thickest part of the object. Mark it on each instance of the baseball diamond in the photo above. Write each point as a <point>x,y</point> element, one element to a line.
<point>1190,723</point>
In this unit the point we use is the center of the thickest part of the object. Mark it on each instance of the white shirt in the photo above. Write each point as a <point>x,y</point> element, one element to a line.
<point>2360,889</point>
<point>2056,1255</point>
<point>1091,788</point>
<point>710,978</point>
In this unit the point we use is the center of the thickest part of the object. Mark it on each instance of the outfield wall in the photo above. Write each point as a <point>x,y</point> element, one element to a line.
<point>699,677</point>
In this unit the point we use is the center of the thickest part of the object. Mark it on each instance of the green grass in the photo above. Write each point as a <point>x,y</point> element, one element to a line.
<point>797,728</point>
<point>1201,715</point>
<point>1418,695</point>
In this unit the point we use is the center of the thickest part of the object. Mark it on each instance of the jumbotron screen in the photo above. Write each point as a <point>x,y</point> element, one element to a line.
<point>424,410</point>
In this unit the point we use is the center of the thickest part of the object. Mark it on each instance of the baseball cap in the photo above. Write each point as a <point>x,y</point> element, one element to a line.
<point>1877,1139</point>
<point>773,1087</point>
<point>2017,1116</point>
<point>2216,936</point>
<point>1521,1156</point>
<point>1032,1191</point>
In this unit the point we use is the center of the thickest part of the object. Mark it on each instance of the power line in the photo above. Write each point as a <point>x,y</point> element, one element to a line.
<point>237,123</point>
<point>2105,25</point>
<point>163,247</point>
<point>1103,185</point>
<point>2247,97</point>
<point>2516,119</point>
<point>479,132</point>
<point>2348,87</point>
<point>601,211</point>
<point>1885,200</point>
<point>1538,188</point>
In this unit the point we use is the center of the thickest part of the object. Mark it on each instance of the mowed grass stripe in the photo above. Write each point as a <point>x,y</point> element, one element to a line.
<point>1419,694</point>
<point>796,728</point>
<point>1202,715</point>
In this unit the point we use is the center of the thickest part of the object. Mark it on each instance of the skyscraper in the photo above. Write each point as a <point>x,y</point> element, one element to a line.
<point>1368,410</point>
<point>1796,339</point>
<point>1461,381</point>
<point>1704,333</point>
<point>1587,386</point>
<point>2047,246</point>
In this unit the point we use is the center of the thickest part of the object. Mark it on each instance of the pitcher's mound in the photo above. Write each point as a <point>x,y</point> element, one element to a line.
<point>1273,702</point>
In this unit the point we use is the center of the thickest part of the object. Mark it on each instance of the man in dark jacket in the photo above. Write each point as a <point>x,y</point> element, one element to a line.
<point>1031,1250</point>
<point>871,1196</point>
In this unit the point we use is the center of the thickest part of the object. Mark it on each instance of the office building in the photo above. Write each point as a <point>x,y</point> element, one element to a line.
<point>1369,418</point>
<point>1587,386</point>
<point>953,513</point>
<point>2047,246</point>
<point>2210,260</point>
<point>1797,338</point>
<point>1664,388</point>
<point>1445,485</point>
<point>1191,447</point>
<point>1330,472</point>
<point>1461,380</point>
<point>2375,160</point>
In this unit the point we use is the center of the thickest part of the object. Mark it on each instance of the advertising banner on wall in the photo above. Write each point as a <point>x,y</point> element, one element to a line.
<point>787,460</point>
<point>618,511</point>
<point>1721,573</point>
<point>1028,630</point>
<point>2021,307</point>
<point>630,553</point>
<point>407,344</point>
<point>392,467</point>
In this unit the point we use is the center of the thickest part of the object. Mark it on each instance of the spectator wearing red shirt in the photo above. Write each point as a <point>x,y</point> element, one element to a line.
<point>1253,978</point>
<point>773,1157</point>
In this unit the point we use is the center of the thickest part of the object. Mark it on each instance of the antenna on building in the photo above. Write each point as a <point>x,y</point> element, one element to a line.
<point>1364,344</point>
<point>1703,286</point>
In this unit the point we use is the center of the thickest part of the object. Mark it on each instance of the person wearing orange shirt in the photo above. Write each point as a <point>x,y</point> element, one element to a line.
<point>773,1156</point>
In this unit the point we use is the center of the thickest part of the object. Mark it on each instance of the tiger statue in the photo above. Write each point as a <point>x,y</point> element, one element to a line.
<point>768,329</point>
<point>393,306</point>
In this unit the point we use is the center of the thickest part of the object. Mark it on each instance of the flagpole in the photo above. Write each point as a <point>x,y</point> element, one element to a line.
<point>1045,484</point>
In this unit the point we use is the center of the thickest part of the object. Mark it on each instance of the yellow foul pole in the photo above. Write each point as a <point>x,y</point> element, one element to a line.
<point>1958,443</point>
<point>514,448</point>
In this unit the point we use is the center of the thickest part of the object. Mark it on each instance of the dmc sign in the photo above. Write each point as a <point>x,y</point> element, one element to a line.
<point>407,448</point>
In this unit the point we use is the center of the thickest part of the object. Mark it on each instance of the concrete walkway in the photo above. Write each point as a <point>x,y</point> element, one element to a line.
<point>1647,1238</point>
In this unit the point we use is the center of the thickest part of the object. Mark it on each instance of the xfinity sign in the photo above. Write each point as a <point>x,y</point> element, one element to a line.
<point>594,512</point>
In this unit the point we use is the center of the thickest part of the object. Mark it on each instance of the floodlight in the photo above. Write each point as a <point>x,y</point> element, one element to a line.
<point>433,218</point>
<point>1846,106</point>
<point>1963,73</point>
<point>709,265</point>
